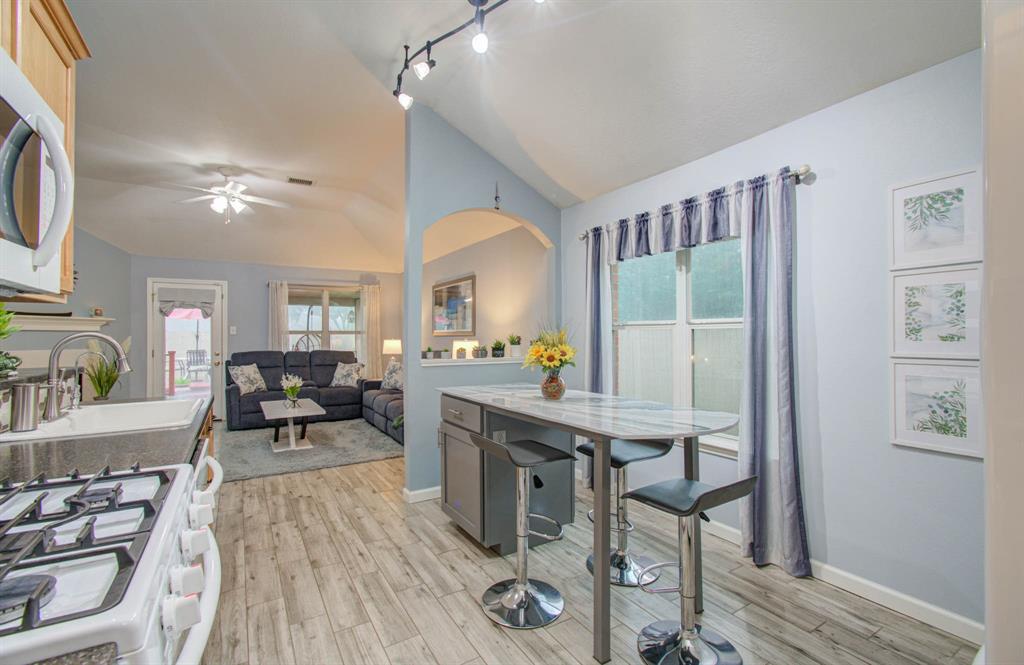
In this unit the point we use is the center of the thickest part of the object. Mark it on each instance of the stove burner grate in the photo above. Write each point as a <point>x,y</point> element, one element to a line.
<point>16,592</point>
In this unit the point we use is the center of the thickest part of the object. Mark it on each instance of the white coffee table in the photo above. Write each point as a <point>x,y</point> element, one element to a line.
<point>277,410</point>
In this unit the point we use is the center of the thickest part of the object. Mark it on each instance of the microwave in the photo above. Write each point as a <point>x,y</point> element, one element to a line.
<point>36,187</point>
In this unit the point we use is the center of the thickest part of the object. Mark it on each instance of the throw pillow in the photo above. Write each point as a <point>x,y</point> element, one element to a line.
<point>394,378</point>
<point>248,378</point>
<point>347,374</point>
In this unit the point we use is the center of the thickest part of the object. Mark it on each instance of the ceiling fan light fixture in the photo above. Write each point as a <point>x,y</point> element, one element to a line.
<point>237,205</point>
<point>219,204</point>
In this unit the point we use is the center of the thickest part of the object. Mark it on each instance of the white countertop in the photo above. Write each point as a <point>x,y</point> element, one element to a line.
<point>608,415</point>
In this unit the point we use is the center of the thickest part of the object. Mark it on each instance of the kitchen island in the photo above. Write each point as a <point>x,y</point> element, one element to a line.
<point>23,460</point>
<point>601,418</point>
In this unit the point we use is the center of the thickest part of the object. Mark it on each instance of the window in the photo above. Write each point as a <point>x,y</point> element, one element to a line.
<point>678,328</point>
<point>309,329</point>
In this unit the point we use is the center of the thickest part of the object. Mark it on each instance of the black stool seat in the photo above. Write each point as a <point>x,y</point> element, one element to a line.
<point>626,452</point>
<point>525,452</point>
<point>682,497</point>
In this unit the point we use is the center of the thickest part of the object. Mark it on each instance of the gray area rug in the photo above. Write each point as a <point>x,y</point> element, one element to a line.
<point>247,454</point>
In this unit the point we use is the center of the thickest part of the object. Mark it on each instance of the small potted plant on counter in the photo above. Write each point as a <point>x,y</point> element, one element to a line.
<point>427,353</point>
<point>8,363</point>
<point>446,354</point>
<point>498,349</point>
<point>101,370</point>
<point>515,348</point>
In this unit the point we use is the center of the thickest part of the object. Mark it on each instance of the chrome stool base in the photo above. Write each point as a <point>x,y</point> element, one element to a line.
<point>625,568</point>
<point>661,643</point>
<point>532,605</point>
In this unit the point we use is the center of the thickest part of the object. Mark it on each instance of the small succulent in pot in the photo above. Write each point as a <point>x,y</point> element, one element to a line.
<point>498,349</point>
<point>515,348</point>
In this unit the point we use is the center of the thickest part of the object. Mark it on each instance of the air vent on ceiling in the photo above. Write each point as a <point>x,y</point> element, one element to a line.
<point>300,181</point>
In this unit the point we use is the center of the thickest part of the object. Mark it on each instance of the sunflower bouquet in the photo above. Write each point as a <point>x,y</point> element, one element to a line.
<point>551,352</point>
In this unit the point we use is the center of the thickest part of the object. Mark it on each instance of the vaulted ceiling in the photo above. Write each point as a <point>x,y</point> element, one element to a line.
<point>577,98</point>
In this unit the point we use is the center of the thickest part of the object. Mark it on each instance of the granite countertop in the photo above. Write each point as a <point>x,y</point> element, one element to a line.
<point>21,460</point>
<point>24,376</point>
<point>607,415</point>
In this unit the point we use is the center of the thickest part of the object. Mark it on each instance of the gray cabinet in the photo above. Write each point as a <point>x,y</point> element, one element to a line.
<point>462,480</point>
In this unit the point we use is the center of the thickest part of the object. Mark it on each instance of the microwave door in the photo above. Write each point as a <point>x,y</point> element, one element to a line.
<point>13,181</point>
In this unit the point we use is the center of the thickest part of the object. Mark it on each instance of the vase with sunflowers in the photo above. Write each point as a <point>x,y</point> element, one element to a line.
<point>551,352</point>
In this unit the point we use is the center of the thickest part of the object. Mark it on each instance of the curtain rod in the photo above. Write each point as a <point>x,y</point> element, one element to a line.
<point>799,173</point>
<point>320,286</point>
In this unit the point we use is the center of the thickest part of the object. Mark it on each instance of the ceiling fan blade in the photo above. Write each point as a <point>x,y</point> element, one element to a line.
<point>247,211</point>
<point>197,199</point>
<point>198,189</point>
<point>262,201</point>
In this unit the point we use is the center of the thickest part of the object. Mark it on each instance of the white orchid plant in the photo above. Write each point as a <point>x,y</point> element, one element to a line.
<point>291,385</point>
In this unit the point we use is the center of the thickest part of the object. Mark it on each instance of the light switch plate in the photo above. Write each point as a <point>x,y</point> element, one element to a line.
<point>232,330</point>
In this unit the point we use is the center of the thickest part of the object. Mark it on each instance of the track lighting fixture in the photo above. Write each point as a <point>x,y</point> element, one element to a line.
<point>480,42</point>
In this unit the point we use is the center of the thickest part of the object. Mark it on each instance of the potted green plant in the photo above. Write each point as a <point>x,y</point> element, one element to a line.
<point>8,363</point>
<point>291,385</point>
<point>101,370</point>
<point>515,348</point>
<point>498,349</point>
<point>426,353</point>
<point>446,354</point>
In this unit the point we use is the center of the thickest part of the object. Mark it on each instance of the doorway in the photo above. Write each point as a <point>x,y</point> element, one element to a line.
<point>186,334</point>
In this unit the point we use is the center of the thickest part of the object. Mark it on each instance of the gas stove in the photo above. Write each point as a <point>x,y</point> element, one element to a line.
<point>108,558</point>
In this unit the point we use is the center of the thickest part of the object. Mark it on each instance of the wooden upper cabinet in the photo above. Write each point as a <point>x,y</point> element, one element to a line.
<point>42,38</point>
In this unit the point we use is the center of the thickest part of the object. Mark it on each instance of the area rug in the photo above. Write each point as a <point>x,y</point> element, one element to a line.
<point>247,454</point>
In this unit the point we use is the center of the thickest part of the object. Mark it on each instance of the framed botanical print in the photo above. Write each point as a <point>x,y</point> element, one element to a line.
<point>936,312</point>
<point>453,311</point>
<point>936,405</point>
<point>937,221</point>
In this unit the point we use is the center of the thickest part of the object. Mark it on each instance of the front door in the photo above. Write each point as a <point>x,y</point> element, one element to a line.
<point>186,339</point>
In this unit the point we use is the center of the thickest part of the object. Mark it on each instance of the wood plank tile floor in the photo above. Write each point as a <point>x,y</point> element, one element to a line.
<point>331,566</point>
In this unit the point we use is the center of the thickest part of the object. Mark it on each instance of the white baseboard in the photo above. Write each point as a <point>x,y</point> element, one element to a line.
<point>421,495</point>
<point>916,608</point>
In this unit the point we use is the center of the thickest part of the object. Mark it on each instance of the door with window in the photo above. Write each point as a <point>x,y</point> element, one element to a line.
<point>678,329</point>
<point>186,339</point>
<point>325,318</point>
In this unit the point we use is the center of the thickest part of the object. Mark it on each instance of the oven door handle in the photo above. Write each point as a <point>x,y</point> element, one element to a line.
<point>64,183</point>
<point>208,495</point>
<point>198,635</point>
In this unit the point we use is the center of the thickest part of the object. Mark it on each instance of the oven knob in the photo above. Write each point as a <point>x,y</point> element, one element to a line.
<point>179,613</point>
<point>194,543</point>
<point>186,579</point>
<point>199,515</point>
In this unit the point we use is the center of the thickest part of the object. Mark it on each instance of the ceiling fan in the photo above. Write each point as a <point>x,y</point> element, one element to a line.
<point>229,196</point>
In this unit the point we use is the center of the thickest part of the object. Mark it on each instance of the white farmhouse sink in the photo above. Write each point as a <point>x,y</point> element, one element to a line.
<point>99,419</point>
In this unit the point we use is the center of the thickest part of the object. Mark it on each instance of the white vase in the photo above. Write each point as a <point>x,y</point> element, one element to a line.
<point>515,350</point>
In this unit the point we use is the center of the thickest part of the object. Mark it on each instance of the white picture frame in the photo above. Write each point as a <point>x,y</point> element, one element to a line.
<point>937,221</point>
<point>936,405</point>
<point>936,312</point>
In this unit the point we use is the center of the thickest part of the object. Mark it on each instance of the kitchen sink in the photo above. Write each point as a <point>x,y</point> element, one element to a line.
<point>116,418</point>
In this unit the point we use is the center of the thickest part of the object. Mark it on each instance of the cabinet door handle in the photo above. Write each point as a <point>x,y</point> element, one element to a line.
<point>455,412</point>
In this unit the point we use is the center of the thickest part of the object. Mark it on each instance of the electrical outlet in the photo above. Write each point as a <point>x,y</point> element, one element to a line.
<point>498,436</point>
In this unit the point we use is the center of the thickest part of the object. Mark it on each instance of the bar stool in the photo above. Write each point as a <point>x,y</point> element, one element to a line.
<point>523,602</point>
<point>686,642</point>
<point>625,567</point>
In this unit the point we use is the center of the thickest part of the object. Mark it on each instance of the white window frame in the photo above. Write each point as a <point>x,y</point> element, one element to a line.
<point>724,445</point>
<point>325,319</point>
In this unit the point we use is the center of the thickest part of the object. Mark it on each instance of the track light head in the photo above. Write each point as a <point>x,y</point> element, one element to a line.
<point>404,99</point>
<point>480,42</point>
<point>421,69</point>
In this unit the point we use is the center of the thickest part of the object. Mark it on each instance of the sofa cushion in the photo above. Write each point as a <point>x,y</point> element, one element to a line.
<point>251,403</point>
<point>369,396</point>
<point>394,409</point>
<point>339,396</point>
<point>323,363</point>
<point>347,374</point>
<point>380,403</point>
<point>247,378</point>
<point>270,364</point>
<point>297,363</point>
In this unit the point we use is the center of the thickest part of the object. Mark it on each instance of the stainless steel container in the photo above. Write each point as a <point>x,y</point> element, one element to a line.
<point>25,409</point>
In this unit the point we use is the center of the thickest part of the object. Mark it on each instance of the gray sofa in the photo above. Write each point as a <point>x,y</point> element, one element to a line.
<point>382,407</point>
<point>317,370</point>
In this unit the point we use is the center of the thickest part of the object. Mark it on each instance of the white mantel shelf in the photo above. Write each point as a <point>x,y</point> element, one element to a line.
<point>469,362</point>
<point>45,323</point>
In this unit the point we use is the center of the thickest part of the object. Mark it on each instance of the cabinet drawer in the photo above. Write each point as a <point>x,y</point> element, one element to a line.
<point>461,413</point>
<point>461,474</point>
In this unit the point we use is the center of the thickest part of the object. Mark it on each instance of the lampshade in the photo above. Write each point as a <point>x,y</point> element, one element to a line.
<point>392,347</point>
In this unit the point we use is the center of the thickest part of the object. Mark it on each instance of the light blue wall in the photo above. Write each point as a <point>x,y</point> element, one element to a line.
<point>103,276</point>
<point>907,519</point>
<point>445,173</point>
<point>248,299</point>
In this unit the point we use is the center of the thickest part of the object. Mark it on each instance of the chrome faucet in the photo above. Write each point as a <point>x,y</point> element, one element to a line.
<point>53,380</point>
